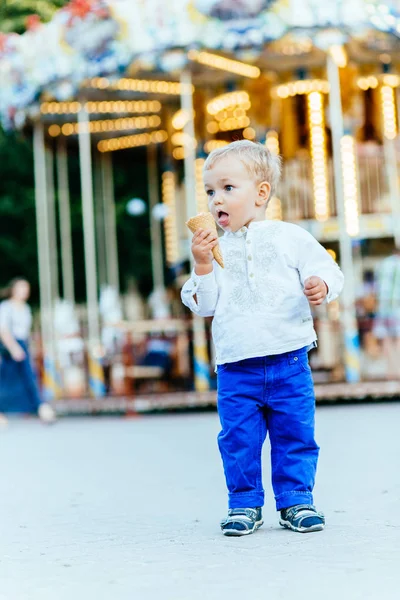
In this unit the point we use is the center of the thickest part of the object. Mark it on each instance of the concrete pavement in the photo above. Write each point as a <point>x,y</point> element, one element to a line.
<point>129,509</point>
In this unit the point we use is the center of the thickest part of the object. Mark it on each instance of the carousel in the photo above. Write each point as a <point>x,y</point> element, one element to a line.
<point>316,82</point>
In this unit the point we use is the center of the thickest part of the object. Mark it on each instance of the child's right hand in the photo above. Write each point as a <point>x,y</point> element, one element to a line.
<point>203,242</point>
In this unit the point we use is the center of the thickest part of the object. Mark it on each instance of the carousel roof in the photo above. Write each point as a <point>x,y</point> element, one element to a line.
<point>97,38</point>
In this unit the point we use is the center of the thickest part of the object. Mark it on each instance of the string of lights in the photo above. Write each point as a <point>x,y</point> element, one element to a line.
<point>229,124</point>
<point>231,99</point>
<point>229,112</point>
<point>373,81</point>
<point>132,141</point>
<point>168,193</point>
<point>103,106</point>
<point>318,155</point>
<point>225,64</point>
<point>146,86</point>
<point>106,125</point>
<point>300,87</point>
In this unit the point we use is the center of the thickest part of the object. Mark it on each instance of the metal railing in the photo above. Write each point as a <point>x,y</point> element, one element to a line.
<point>296,187</point>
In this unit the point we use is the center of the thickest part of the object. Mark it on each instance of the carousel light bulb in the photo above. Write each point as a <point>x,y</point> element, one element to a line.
<point>249,133</point>
<point>213,144</point>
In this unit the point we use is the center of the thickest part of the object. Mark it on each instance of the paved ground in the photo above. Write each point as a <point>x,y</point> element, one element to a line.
<point>129,509</point>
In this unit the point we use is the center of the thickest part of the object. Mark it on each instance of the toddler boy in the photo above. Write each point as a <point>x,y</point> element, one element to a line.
<point>262,330</point>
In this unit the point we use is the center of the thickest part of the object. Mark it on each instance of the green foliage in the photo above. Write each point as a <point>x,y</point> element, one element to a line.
<point>13,13</point>
<point>18,256</point>
<point>18,247</point>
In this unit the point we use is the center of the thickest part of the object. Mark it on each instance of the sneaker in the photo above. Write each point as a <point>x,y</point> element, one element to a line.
<point>46,413</point>
<point>242,521</point>
<point>302,518</point>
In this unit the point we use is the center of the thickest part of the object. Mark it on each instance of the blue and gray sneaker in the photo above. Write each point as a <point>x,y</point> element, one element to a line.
<point>242,521</point>
<point>302,518</point>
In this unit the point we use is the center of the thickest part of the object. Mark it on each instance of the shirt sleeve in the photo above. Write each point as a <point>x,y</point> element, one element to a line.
<point>314,260</point>
<point>200,294</point>
<point>5,316</point>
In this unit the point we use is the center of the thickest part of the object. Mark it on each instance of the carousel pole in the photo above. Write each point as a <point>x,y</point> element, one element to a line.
<point>65,221</point>
<point>110,221</point>
<point>155,230</point>
<point>100,220</point>
<point>390,117</point>
<point>51,203</point>
<point>389,150</point>
<point>200,352</point>
<point>96,376</point>
<point>348,311</point>
<point>50,378</point>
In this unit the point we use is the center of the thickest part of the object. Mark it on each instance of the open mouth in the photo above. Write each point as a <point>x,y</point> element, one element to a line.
<point>223,218</point>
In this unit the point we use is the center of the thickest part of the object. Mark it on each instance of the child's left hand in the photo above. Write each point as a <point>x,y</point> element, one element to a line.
<point>315,289</point>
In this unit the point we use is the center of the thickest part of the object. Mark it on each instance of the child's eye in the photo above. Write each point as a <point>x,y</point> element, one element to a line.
<point>210,193</point>
<point>229,188</point>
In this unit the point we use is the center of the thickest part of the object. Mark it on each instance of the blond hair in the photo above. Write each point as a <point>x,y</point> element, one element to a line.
<point>258,160</point>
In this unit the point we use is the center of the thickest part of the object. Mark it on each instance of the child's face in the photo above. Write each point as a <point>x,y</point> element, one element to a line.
<point>234,197</point>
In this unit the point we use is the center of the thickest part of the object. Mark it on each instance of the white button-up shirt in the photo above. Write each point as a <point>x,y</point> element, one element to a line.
<point>258,300</point>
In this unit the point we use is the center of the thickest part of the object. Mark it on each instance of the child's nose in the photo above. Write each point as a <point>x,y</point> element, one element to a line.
<point>217,199</point>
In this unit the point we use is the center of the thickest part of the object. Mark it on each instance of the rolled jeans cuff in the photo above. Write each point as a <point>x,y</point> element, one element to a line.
<point>246,499</point>
<point>288,499</point>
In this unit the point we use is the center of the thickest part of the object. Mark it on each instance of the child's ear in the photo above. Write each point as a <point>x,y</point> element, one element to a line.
<point>264,191</point>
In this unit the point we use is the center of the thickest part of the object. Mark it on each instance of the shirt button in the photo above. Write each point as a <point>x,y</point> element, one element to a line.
<point>195,283</point>
<point>248,242</point>
<point>249,257</point>
<point>251,274</point>
<point>243,229</point>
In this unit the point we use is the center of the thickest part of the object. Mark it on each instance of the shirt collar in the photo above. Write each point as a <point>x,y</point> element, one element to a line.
<point>243,230</point>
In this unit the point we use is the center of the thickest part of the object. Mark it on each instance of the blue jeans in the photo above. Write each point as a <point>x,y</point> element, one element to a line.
<point>275,395</point>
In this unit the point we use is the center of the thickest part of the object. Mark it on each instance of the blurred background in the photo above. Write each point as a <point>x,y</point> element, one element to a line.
<point>108,111</point>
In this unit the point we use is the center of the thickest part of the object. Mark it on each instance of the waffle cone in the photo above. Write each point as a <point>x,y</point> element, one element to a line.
<point>206,221</point>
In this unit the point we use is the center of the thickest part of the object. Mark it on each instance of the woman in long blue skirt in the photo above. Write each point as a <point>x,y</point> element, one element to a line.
<point>19,391</point>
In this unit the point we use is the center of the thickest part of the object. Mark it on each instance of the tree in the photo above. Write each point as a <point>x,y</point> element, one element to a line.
<point>13,13</point>
<point>18,244</point>
<point>18,253</point>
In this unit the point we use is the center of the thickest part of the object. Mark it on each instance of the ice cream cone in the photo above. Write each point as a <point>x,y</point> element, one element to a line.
<point>206,221</point>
